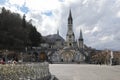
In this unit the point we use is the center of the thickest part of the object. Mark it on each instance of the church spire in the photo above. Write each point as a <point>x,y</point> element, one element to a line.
<point>81,36</point>
<point>70,17</point>
<point>70,37</point>
<point>80,40</point>
<point>70,14</point>
<point>57,32</point>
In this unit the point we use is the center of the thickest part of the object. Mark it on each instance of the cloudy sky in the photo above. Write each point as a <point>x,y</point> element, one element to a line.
<point>98,19</point>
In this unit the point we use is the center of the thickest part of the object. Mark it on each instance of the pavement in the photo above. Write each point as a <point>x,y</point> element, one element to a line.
<point>85,72</point>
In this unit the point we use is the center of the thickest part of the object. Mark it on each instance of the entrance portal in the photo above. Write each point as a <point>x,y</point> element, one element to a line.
<point>43,56</point>
<point>67,56</point>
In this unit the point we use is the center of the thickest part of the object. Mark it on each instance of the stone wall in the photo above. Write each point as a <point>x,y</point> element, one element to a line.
<point>26,71</point>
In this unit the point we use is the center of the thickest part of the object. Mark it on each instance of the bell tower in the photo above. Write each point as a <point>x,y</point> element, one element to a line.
<point>70,37</point>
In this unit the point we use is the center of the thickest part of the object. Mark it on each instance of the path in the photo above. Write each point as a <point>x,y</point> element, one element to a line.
<point>85,72</point>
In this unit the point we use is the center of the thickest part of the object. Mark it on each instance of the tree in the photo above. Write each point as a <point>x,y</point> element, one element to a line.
<point>15,32</point>
<point>35,37</point>
<point>24,21</point>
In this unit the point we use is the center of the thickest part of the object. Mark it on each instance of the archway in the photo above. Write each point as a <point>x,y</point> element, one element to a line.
<point>42,56</point>
<point>67,56</point>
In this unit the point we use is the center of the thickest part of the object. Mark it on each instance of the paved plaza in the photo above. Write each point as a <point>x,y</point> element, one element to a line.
<point>85,72</point>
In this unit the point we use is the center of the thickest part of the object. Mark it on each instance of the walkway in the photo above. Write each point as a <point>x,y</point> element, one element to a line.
<point>85,72</point>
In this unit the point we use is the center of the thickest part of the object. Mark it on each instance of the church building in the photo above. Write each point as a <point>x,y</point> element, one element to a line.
<point>69,50</point>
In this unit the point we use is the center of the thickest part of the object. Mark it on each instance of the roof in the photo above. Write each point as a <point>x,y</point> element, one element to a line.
<point>53,38</point>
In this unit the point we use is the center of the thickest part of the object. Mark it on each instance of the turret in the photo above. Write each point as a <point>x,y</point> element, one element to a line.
<point>57,32</point>
<point>80,40</point>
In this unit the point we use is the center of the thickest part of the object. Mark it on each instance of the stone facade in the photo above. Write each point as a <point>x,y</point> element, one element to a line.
<point>69,50</point>
<point>70,37</point>
<point>57,50</point>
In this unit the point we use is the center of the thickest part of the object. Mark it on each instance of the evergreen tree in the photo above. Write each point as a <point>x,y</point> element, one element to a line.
<point>35,37</point>
<point>24,21</point>
<point>16,33</point>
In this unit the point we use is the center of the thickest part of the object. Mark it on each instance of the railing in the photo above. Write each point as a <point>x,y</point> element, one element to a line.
<point>26,71</point>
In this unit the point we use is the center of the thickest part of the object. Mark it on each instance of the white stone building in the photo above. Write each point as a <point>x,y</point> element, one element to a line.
<point>67,50</point>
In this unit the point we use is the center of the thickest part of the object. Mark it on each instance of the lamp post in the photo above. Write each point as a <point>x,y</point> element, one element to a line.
<point>6,51</point>
<point>21,57</point>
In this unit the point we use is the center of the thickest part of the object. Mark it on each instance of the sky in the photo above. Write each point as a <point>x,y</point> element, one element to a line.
<point>98,19</point>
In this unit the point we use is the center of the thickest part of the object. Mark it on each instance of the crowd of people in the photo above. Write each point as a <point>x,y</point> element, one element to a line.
<point>2,61</point>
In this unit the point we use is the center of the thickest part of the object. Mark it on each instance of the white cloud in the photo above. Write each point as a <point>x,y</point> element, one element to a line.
<point>95,29</point>
<point>0,10</point>
<point>106,38</point>
<point>99,19</point>
<point>43,5</point>
<point>16,2</point>
<point>118,14</point>
<point>84,2</point>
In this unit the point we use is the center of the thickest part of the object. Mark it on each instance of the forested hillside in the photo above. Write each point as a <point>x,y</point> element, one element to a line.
<point>16,33</point>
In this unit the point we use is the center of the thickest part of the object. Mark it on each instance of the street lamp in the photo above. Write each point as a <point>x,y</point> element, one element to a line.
<point>5,53</point>
<point>111,57</point>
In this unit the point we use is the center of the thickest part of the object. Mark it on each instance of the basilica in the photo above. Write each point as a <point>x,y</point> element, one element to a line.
<point>66,51</point>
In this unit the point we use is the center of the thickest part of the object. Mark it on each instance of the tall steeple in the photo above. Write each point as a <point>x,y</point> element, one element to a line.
<point>70,20</point>
<point>70,37</point>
